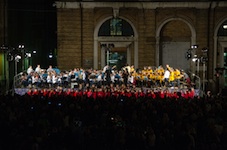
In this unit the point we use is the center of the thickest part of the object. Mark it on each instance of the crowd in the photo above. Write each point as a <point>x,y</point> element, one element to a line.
<point>65,122</point>
<point>109,116</point>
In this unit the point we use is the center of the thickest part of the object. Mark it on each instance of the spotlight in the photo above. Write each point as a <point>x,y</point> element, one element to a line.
<point>194,46</point>
<point>195,58</point>
<point>21,46</point>
<point>10,57</point>
<point>50,56</point>
<point>188,55</point>
<point>28,55</point>
<point>17,58</point>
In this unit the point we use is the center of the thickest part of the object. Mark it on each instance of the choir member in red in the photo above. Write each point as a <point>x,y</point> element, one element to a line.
<point>44,92</point>
<point>89,93</point>
<point>162,94</point>
<point>95,94</point>
<point>153,94</point>
<point>29,92</point>
<point>100,94</point>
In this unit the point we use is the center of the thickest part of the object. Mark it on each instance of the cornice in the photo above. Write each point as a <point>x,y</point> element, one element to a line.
<point>140,5</point>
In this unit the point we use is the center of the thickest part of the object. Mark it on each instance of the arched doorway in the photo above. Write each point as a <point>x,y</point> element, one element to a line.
<point>221,51</point>
<point>172,43</point>
<point>115,43</point>
<point>175,44</point>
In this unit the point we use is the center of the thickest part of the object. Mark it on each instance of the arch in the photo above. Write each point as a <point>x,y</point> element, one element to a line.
<point>158,31</point>
<point>216,42</point>
<point>96,30</point>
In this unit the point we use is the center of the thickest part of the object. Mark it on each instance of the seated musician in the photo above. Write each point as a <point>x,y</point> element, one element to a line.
<point>178,76</point>
<point>160,75</point>
<point>149,76</point>
<point>171,76</point>
<point>144,76</point>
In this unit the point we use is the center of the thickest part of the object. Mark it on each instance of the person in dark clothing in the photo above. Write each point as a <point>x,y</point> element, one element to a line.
<point>125,76</point>
<point>108,73</point>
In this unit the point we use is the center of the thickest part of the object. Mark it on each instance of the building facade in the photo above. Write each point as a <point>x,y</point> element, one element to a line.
<point>93,34</point>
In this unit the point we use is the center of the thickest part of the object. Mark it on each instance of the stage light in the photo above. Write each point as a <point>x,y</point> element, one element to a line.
<point>189,55</point>
<point>195,58</point>
<point>194,46</point>
<point>50,56</point>
<point>17,58</point>
<point>28,55</point>
<point>9,57</point>
<point>224,26</point>
<point>21,46</point>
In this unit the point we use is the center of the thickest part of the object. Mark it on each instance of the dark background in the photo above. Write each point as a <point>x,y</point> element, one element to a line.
<point>33,24</point>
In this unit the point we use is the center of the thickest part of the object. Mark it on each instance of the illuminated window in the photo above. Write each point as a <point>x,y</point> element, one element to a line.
<point>116,27</point>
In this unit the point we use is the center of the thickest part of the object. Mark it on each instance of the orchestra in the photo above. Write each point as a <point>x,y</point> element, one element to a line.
<point>126,79</point>
<point>147,77</point>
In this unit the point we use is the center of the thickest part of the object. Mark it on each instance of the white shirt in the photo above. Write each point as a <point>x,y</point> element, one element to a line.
<point>29,70</point>
<point>37,69</point>
<point>166,74</point>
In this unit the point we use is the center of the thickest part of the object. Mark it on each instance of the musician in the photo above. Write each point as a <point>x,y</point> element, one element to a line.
<point>166,76</point>
<point>125,75</point>
<point>49,79</point>
<point>160,75</point>
<point>172,76</point>
<point>128,68</point>
<point>178,76</point>
<point>38,69</point>
<point>36,79</point>
<point>30,70</point>
<point>108,75</point>
<point>132,69</point>
<point>54,79</point>
<point>50,69</point>
<point>149,76</point>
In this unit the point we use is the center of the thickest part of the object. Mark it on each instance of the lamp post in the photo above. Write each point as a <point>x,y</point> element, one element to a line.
<point>21,49</point>
<point>203,59</point>
<point>193,52</point>
<point>197,60</point>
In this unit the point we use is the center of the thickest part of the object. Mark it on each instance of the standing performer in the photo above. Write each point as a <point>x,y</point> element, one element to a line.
<point>166,76</point>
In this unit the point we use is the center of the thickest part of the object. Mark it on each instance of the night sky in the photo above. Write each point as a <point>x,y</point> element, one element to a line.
<point>33,23</point>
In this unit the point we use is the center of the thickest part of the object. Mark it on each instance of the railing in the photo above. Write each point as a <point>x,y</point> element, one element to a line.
<point>197,83</point>
<point>17,80</point>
